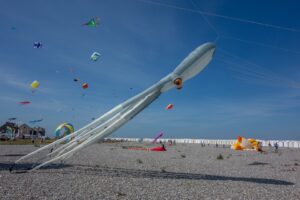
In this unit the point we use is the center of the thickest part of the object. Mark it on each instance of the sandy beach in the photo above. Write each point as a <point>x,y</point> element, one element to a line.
<point>185,171</point>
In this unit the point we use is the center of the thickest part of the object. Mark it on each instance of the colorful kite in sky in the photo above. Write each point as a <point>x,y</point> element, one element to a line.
<point>169,106</point>
<point>94,22</point>
<point>24,102</point>
<point>35,121</point>
<point>37,45</point>
<point>95,56</point>
<point>85,86</point>
<point>34,84</point>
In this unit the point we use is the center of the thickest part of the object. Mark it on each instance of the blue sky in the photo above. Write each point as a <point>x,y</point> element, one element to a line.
<point>250,88</point>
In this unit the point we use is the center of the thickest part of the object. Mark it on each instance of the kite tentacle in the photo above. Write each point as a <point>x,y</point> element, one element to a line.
<point>122,119</point>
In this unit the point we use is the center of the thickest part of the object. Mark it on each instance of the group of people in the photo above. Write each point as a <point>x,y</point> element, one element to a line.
<point>275,146</point>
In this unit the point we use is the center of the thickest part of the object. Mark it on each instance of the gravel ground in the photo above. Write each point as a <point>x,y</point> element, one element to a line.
<point>185,171</point>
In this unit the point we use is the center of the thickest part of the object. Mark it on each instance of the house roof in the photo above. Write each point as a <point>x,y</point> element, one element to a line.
<point>25,126</point>
<point>10,124</point>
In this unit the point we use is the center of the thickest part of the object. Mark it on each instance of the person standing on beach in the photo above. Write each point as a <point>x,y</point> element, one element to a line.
<point>276,147</point>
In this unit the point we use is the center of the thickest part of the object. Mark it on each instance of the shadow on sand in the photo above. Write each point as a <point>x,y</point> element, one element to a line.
<point>258,163</point>
<point>13,155</point>
<point>121,172</point>
<point>24,167</point>
<point>134,173</point>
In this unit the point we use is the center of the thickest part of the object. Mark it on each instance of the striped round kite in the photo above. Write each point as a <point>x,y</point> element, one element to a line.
<point>64,130</point>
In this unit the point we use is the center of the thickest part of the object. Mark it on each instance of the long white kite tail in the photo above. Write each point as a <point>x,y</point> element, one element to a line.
<point>120,120</point>
<point>76,133</point>
<point>81,132</point>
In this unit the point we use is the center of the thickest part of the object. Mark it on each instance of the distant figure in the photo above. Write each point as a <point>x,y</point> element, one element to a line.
<point>270,145</point>
<point>276,147</point>
<point>11,168</point>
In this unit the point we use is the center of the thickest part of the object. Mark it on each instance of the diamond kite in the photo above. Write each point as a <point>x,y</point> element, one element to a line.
<point>95,56</point>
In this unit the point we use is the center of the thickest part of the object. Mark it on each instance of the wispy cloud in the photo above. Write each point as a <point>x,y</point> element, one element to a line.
<point>19,82</point>
<point>12,80</point>
<point>8,99</point>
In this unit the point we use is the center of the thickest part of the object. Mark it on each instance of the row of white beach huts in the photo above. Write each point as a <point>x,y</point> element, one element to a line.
<point>281,143</point>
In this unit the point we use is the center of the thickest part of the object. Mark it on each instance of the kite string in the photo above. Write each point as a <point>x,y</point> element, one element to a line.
<point>260,72</point>
<point>259,44</point>
<point>222,16</point>
<point>208,22</point>
<point>202,13</point>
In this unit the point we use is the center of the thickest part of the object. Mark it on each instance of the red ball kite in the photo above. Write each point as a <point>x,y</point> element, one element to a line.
<point>85,86</point>
<point>169,106</point>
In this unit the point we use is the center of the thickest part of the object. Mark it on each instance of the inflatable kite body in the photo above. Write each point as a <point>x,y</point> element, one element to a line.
<point>169,106</point>
<point>246,144</point>
<point>111,121</point>
<point>159,148</point>
<point>64,130</point>
<point>34,84</point>
<point>85,86</point>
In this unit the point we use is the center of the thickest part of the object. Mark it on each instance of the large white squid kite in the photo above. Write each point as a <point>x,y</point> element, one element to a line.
<point>105,125</point>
